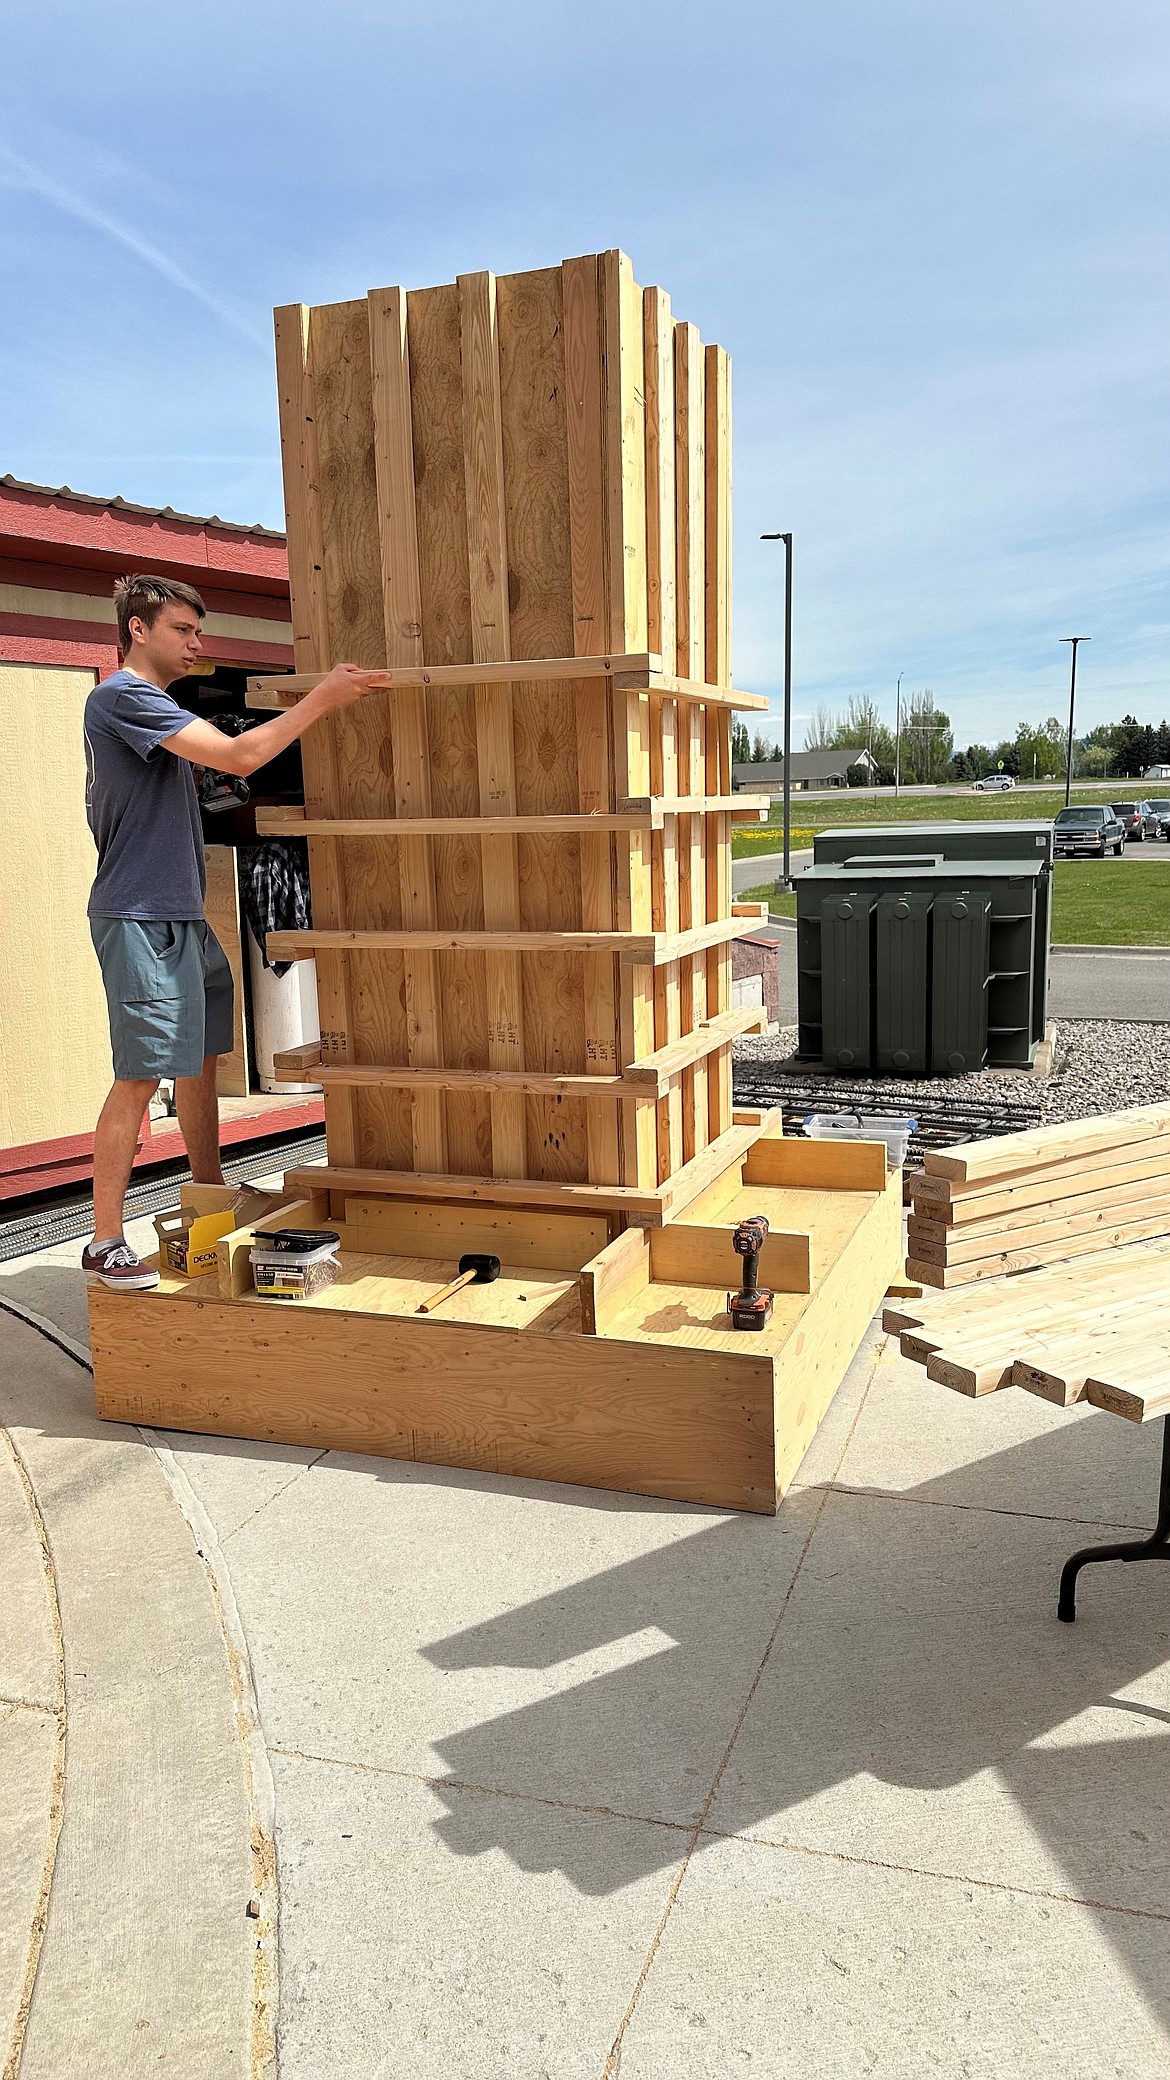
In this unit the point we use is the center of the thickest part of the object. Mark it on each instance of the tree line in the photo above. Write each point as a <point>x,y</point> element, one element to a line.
<point>930,755</point>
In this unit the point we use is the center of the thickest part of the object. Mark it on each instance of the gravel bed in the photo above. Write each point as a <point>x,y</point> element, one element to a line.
<point>1099,1065</point>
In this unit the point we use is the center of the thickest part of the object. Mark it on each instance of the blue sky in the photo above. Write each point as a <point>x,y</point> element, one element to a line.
<point>933,237</point>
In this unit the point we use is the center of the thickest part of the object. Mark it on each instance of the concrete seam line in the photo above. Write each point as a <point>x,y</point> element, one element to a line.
<point>40,1918</point>
<point>258,1781</point>
<point>612,2065</point>
<point>915,1870</point>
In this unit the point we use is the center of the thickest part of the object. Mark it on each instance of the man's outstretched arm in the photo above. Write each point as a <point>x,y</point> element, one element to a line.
<point>204,745</point>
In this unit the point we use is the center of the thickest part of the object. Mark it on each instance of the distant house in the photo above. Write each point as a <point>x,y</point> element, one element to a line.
<point>810,769</point>
<point>1156,773</point>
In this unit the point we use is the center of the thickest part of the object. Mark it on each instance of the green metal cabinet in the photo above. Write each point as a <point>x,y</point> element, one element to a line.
<point>915,964</point>
<point>982,839</point>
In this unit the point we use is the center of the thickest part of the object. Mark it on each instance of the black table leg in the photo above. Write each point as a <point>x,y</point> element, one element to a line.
<point>1155,1547</point>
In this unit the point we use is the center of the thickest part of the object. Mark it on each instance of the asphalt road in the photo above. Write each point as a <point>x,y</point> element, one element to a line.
<point>1130,982</point>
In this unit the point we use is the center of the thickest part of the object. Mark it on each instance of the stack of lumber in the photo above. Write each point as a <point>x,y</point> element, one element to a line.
<point>1096,1332</point>
<point>1041,1197</point>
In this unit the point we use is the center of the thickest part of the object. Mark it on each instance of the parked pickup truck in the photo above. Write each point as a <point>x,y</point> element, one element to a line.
<point>1087,833</point>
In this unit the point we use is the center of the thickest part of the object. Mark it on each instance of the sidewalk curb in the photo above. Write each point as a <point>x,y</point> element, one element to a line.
<point>261,1795</point>
<point>1154,953</point>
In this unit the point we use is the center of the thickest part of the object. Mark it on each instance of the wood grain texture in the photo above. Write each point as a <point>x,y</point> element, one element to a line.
<point>662,634</point>
<point>410,751</point>
<point>548,1241</point>
<point>593,716</point>
<point>434,325</point>
<point>312,648</point>
<point>557,1193</point>
<point>562,1407</point>
<point>1011,1154</point>
<point>480,476</point>
<point>483,462</point>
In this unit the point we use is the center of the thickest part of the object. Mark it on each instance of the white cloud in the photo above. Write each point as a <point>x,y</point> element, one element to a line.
<point>30,178</point>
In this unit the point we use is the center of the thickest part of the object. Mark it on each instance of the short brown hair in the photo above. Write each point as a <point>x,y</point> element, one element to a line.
<point>145,597</point>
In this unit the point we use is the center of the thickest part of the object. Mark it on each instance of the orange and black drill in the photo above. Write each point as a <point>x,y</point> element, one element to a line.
<point>751,1307</point>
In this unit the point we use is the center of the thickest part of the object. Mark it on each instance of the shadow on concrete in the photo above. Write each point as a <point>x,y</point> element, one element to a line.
<point>889,1668</point>
<point>920,1651</point>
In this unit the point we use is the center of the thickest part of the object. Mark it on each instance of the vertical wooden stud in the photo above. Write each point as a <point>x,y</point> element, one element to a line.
<point>402,611</point>
<point>298,446</point>
<point>690,500</point>
<point>717,672</point>
<point>662,635</point>
<point>487,549</point>
<point>595,791</point>
<point>625,474</point>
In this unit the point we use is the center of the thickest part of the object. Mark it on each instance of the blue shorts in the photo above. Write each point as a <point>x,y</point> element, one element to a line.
<point>170,995</point>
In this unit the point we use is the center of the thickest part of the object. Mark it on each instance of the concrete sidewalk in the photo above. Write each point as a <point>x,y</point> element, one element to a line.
<point>573,1785</point>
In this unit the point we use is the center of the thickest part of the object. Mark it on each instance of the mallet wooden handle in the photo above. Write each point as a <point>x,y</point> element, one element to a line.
<point>456,1286</point>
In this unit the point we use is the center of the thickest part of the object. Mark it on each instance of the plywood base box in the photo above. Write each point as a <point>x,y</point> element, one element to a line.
<point>604,1362</point>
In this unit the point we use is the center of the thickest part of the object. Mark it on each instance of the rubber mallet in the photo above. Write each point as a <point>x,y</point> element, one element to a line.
<point>474,1270</point>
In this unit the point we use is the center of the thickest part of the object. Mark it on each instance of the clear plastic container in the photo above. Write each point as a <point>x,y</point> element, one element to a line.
<point>895,1130</point>
<point>281,1270</point>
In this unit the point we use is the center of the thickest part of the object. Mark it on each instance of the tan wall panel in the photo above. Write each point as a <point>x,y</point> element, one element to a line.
<point>55,1053</point>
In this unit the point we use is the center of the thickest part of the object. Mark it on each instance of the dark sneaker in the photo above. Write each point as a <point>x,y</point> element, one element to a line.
<point>117,1265</point>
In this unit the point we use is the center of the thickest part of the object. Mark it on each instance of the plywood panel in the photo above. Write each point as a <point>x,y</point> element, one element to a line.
<point>548,1407</point>
<point>55,1061</point>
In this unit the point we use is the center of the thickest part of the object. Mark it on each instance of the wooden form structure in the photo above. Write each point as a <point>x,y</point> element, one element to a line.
<point>512,498</point>
<point>516,495</point>
<point>605,1362</point>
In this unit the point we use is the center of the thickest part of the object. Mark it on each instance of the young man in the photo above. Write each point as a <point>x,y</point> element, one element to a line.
<point>168,984</point>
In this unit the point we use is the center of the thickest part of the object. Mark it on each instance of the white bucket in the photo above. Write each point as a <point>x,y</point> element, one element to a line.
<point>284,1014</point>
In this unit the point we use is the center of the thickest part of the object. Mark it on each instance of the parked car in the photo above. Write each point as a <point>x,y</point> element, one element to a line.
<point>1135,819</point>
<point>1084,833</point>
<point>1160,811</point>
<point>993,783</point>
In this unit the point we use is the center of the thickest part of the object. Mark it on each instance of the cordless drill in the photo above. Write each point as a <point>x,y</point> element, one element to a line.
<point>751,1307</point>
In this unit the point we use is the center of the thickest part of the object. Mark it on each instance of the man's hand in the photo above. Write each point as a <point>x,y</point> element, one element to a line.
<point>204,745</point>
<point>345,684</point>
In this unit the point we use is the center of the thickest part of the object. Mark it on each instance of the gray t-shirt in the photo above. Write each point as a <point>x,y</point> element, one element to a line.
<point>142,806</point>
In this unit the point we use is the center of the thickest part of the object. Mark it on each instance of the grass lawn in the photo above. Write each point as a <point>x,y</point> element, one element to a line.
<point>1110,902</point>
<point>857,807</point>
<point>1097,902</point>
<point>779,906</point>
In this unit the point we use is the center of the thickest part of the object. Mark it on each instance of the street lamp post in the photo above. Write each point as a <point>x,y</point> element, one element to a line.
<point>1072,701</point>
<point>787,776</point>
<point>898,737</point>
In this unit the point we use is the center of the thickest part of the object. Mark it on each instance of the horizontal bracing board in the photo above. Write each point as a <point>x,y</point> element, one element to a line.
<point>650,1078</point>
<point>648,814</point>
<point>653,1073</point>
<point>653,1204</point>
<point>625,674</point>
<point>521,1082</point>
<point>488,1191</point>
<point>656,948</point>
